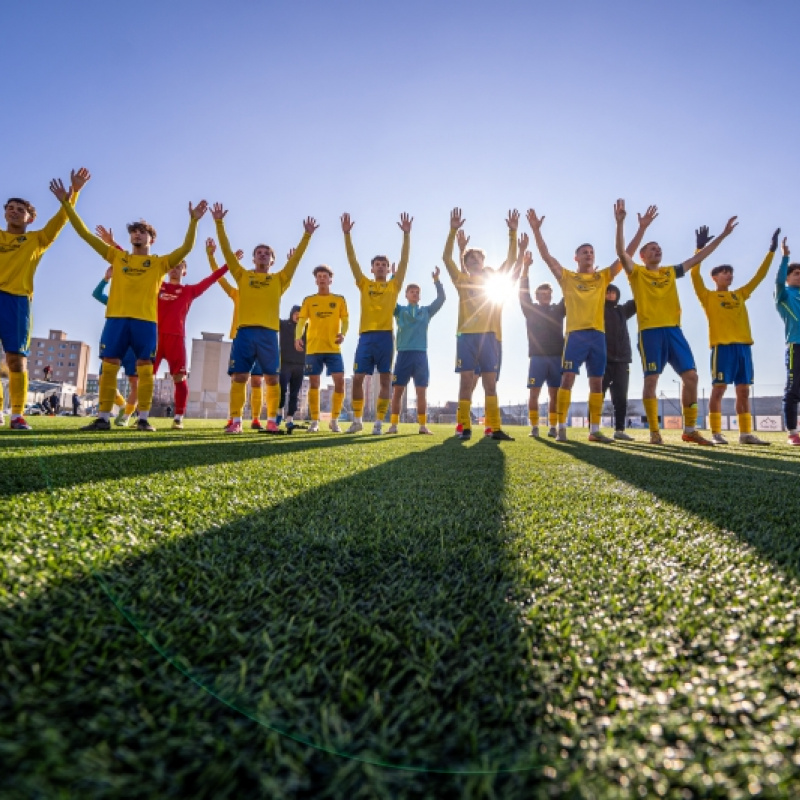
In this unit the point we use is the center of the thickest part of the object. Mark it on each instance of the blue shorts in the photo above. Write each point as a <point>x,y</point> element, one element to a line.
<point>128,364</point>
<point>314,363</point>
<point>411,364</point>
<point>661,346</point>
<point>544,369</point>
<point>374,351</point>
<point>732,363</point>
<point>499,361</point>
<point>121,333</point>
<point>585,346</point>
<point>477,352</point>
<point>15,323</point>
<point>254,345</point>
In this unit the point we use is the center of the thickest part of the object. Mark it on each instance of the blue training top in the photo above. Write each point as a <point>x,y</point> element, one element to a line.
<point>412,322</point>
<point>787,301</point>
<point>99,294</point>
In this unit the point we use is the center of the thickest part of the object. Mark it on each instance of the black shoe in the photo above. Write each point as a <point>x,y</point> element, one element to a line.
<point>144,425</point>
<point>465,435</point>
<point>99,424</point>
<point>502,436</point>
<point>290,426</point>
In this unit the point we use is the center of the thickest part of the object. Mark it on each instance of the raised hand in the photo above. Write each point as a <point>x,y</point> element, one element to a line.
<point>703,237</point>
<point>436,273</point>
<point>534,221</point>
<point>217,211</point>
<point>58,189</point>
<point>211,245</point>
<point>288,255</point>
<point>648,216</point>
<point>774,244</point>
<point>347,223</point>
<point>785,246</point>
<point>79,179</point>
<point>522,243</point>
<point>456,220</point>
<point>405,223</point>
<point>310,225</point>
<point>512,220</point>
<point>197,211</point>
<point>729,226</point>
<point>394,269</point>
<point>240,254</point>
<point>463,241</point>
<point>105,234</point>
<point>619,210</point>
<point>109,273</point>
<point>527,261</point>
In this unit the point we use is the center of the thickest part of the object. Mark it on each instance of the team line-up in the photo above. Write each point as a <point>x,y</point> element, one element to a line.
<point>146,316</point>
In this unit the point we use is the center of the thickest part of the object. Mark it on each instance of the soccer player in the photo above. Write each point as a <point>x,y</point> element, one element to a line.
<point>326,315</point>
<point>730,338</point>
<point>21,251</point>
<point>545,323</point>
<point>787,301</point>
<point>412,351</point>
<point>132,310</point>
<point>256,340</point>
<point>584,297</point>
<point>661,340</point>
<point>618,357</point>
<point>292,367</point>
<point>375,338</point>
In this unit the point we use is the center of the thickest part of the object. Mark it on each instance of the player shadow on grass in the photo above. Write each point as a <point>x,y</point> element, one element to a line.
<point>376,615</point>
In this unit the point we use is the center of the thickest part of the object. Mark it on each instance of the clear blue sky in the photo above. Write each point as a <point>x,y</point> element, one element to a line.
<point>280,110</point>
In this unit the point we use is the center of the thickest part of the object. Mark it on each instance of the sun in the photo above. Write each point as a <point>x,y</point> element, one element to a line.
<point>499,287</point>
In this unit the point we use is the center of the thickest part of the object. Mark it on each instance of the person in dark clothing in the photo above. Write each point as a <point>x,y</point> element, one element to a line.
<point>292,365</point>
<point>545,323</point>
<point>618,357</point>
<point>76,404</point>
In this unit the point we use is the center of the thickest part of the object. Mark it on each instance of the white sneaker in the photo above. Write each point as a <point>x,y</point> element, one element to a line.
<point>751,438</point>
<point>391,429</point>
<point>334,426</point>
<point>377,429</point>
<point>313,426</point>
<point>561,435</point>
<point>424,429</point>
<point>534,431</point>
<point>553,432</point>
<point>718,438</point>
<point>622,436</point>
<point>356,427</point>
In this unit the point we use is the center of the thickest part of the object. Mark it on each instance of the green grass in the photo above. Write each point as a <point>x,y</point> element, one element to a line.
<point>187,614</point>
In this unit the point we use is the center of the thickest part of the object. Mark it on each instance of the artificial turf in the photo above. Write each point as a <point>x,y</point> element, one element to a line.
<point>189,614</point>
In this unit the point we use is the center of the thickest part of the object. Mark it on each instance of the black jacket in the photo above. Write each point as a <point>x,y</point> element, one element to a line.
<point>545,324</point>
<point>618,341</point>
<point>290,356</point>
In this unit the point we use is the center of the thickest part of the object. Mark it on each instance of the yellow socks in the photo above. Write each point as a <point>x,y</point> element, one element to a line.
<point>358,408</point>
<point>108,387</point>
<point>422,419</point>
<point>533,418</point>
<point>745,423</point>
<point>715,421</point>
<point>383,407</point>
<point>690,418</point>
<point>256,400</point>
<point>395,419</point>
<point>336,404</point>
<point>552,419</point>
<point>493,419</point>
<point>238,396</point>
<point>651,409</point>
<point>273,400</point>
<point>146,386</point>
<point>119,400</point>
<point>595,408</point>
<point>313,403</point>
<point>129,408</point>
<point>463,416</point>
<point>18,389</point>
<point>562,405</point>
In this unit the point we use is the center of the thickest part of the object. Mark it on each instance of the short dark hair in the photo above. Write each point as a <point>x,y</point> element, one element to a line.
<point>543,287</point>
<point>28,205</point>
<point>322,268</point>
<point>580,246</point>
<point>143,226</point>
<point>413,286</point>
<point>473,251</point>
<point>266,246</point>
<point>612,288</point>
<point>793,267</point>
<point>647,244</point>
<point>721,268</point>
<point>379,258</point>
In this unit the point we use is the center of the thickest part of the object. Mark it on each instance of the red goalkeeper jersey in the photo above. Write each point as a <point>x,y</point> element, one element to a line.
<point>174,301</point>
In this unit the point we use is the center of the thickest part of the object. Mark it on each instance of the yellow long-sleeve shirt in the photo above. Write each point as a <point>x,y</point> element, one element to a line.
<point>585,298</point>
<point>656,296</point>
<point>229,290</point>
<point>135,279</point>
<point>326,315</point>
<point>378,298</point>
<point>728,320</point>
<point>476,312</point>
<point>20,253</point>
<point>260,292</point>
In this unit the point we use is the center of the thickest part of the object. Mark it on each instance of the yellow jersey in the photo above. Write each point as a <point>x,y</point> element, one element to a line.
<point>135,279</point>
<point>229,290</point>
<point>728,320</point>
<point>656,296</point>
<point>585,298</point>
<point>326,315</point>
<point>378,298</point>
<point>20,254</point>
<point>260,292</point>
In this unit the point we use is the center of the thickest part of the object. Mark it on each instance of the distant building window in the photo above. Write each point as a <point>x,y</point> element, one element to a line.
<point>50,349</point>
<point>71,373</point>
<point>71,364</point>
<point>49,358</point>
<point>38,362</point>
<point>63,346</point>
<point>60,364</point>
<point>74,346</point>
<point>40,344</point>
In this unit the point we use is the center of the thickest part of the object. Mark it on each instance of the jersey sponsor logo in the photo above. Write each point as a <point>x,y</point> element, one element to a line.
<point>324,314</point>
<point>582,286</point>
<point>661,282</point>
<point>728,306</point>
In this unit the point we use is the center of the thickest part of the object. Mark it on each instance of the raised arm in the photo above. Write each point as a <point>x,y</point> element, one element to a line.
<point>218,213</point>
<point>195,213</point>
<point>207,282</point>
<point>456,221</point>
<point>99,293</point>
<point>762,271</point>
<point>702,238</point>
<point>48,234</point>
<point>522,251</point>
<point>226,286</point>
<point>536,226</point>
<point>405,226</point>
<point>622,253</point>
<point>512,220</point>
<point>706,251</point>
<point>463,241</point>
<point>64,196</point>
<point>525,300</point>
<point>439,301</point>
<point>629,308</point>
<point>287,273</point>
<point>780,277</point>
<point>347,226</point>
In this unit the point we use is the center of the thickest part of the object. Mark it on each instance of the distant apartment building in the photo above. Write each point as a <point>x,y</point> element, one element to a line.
<point>67,359</point>
<point>209,383</point>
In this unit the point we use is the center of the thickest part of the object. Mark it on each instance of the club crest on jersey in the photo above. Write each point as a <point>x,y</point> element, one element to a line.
<point>332,305</point>
<point>21,239</point>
